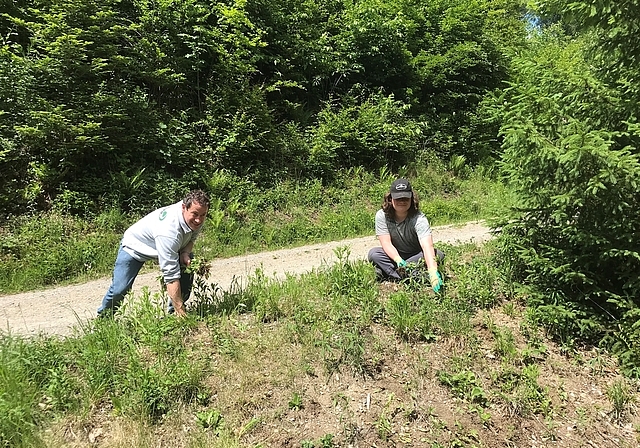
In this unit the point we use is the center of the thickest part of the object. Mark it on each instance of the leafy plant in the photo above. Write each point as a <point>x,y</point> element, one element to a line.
<point>465,385</point>
<point>211,420</point>
<point>295,403</point>
<point>325,441</point>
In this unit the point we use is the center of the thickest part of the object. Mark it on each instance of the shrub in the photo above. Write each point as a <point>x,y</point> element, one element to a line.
<point>372,133</point>
<point>574,163</point>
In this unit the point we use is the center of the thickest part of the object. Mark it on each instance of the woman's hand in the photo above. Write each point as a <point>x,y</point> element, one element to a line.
<point>436,280</point>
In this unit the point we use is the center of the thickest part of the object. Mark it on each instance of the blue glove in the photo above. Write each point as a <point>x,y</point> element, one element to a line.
<point>436,279</point>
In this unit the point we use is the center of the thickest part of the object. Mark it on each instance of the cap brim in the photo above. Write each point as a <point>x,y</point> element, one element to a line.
<point>402,194</point>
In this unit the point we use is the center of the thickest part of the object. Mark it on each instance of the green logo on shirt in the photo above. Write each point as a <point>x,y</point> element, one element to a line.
<point>163,214</point>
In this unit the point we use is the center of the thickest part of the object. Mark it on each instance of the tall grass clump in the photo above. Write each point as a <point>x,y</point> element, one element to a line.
<point>39,383</point>
<point>473,281</point>
<point>136,365</point>
<point>477,278</point>
<point>152,371</point>
<point>19,396</point>
<point>411,321</point>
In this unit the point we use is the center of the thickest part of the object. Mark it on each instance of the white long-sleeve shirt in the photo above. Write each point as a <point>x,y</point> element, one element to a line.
<point>160,235</point>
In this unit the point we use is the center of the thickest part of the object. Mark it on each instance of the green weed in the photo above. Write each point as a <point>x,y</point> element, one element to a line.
<point>464,385</point>
<point>325,441</point>
<point>383,424</point>
<point>210,420</point>
<point>622,400</point>
<point>521,392</point>
<point>295,402</point>
<point>505,344</point>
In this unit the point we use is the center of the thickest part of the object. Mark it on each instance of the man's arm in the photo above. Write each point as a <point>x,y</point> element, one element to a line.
<point>170,258</point>
<point>185,254</point>
<point>175,294</point>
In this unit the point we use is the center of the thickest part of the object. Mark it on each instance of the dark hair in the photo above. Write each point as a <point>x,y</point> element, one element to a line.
<point>390,212</point>
<point>197,196</point>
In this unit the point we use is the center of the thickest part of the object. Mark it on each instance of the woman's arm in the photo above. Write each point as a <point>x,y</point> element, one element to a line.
<point>430,260</point>
<point>429,251</point>
<point>389,248</point>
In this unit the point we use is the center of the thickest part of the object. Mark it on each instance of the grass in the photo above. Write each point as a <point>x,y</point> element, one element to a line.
<point>327,359</point>
<point>48,249</point>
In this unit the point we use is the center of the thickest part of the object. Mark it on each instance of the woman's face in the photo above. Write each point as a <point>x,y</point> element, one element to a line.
<point>401,204</point>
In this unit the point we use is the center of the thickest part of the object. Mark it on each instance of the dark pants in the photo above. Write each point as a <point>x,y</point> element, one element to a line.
<point>388,268</point>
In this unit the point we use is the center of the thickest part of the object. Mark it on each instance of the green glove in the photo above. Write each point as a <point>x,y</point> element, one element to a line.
<point>436,279</point>
<point>400,262</point>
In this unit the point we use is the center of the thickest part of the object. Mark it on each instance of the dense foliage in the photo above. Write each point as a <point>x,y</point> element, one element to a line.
<point>128,102</point>
<point>571,149</point>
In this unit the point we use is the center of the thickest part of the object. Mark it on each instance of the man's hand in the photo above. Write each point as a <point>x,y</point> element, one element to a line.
<point>185,258</point>
<point>179,311</point>
<point>436,279</point>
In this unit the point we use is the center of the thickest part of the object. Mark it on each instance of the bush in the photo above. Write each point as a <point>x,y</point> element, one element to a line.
<point>576,169</point>
<point>373,133</point>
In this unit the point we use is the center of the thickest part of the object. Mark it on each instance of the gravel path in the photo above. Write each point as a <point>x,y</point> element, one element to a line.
<point>57,310</point>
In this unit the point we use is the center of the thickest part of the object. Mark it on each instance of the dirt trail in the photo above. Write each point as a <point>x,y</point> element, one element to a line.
<point>57,310</point>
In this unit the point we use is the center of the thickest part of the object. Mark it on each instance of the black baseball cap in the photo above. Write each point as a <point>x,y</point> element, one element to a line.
<point>401,188</point>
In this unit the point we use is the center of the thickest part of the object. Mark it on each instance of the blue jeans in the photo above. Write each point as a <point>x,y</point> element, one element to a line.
<point>125,271</point>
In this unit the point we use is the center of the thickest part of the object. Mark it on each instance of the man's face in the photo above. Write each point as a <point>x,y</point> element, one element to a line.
<point>194,215</point>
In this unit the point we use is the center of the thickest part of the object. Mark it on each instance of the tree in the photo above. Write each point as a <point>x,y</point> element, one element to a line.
<point>570,151</point>
<point>614,42</point>
<point>115,90</point>
<point>461,53</point>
